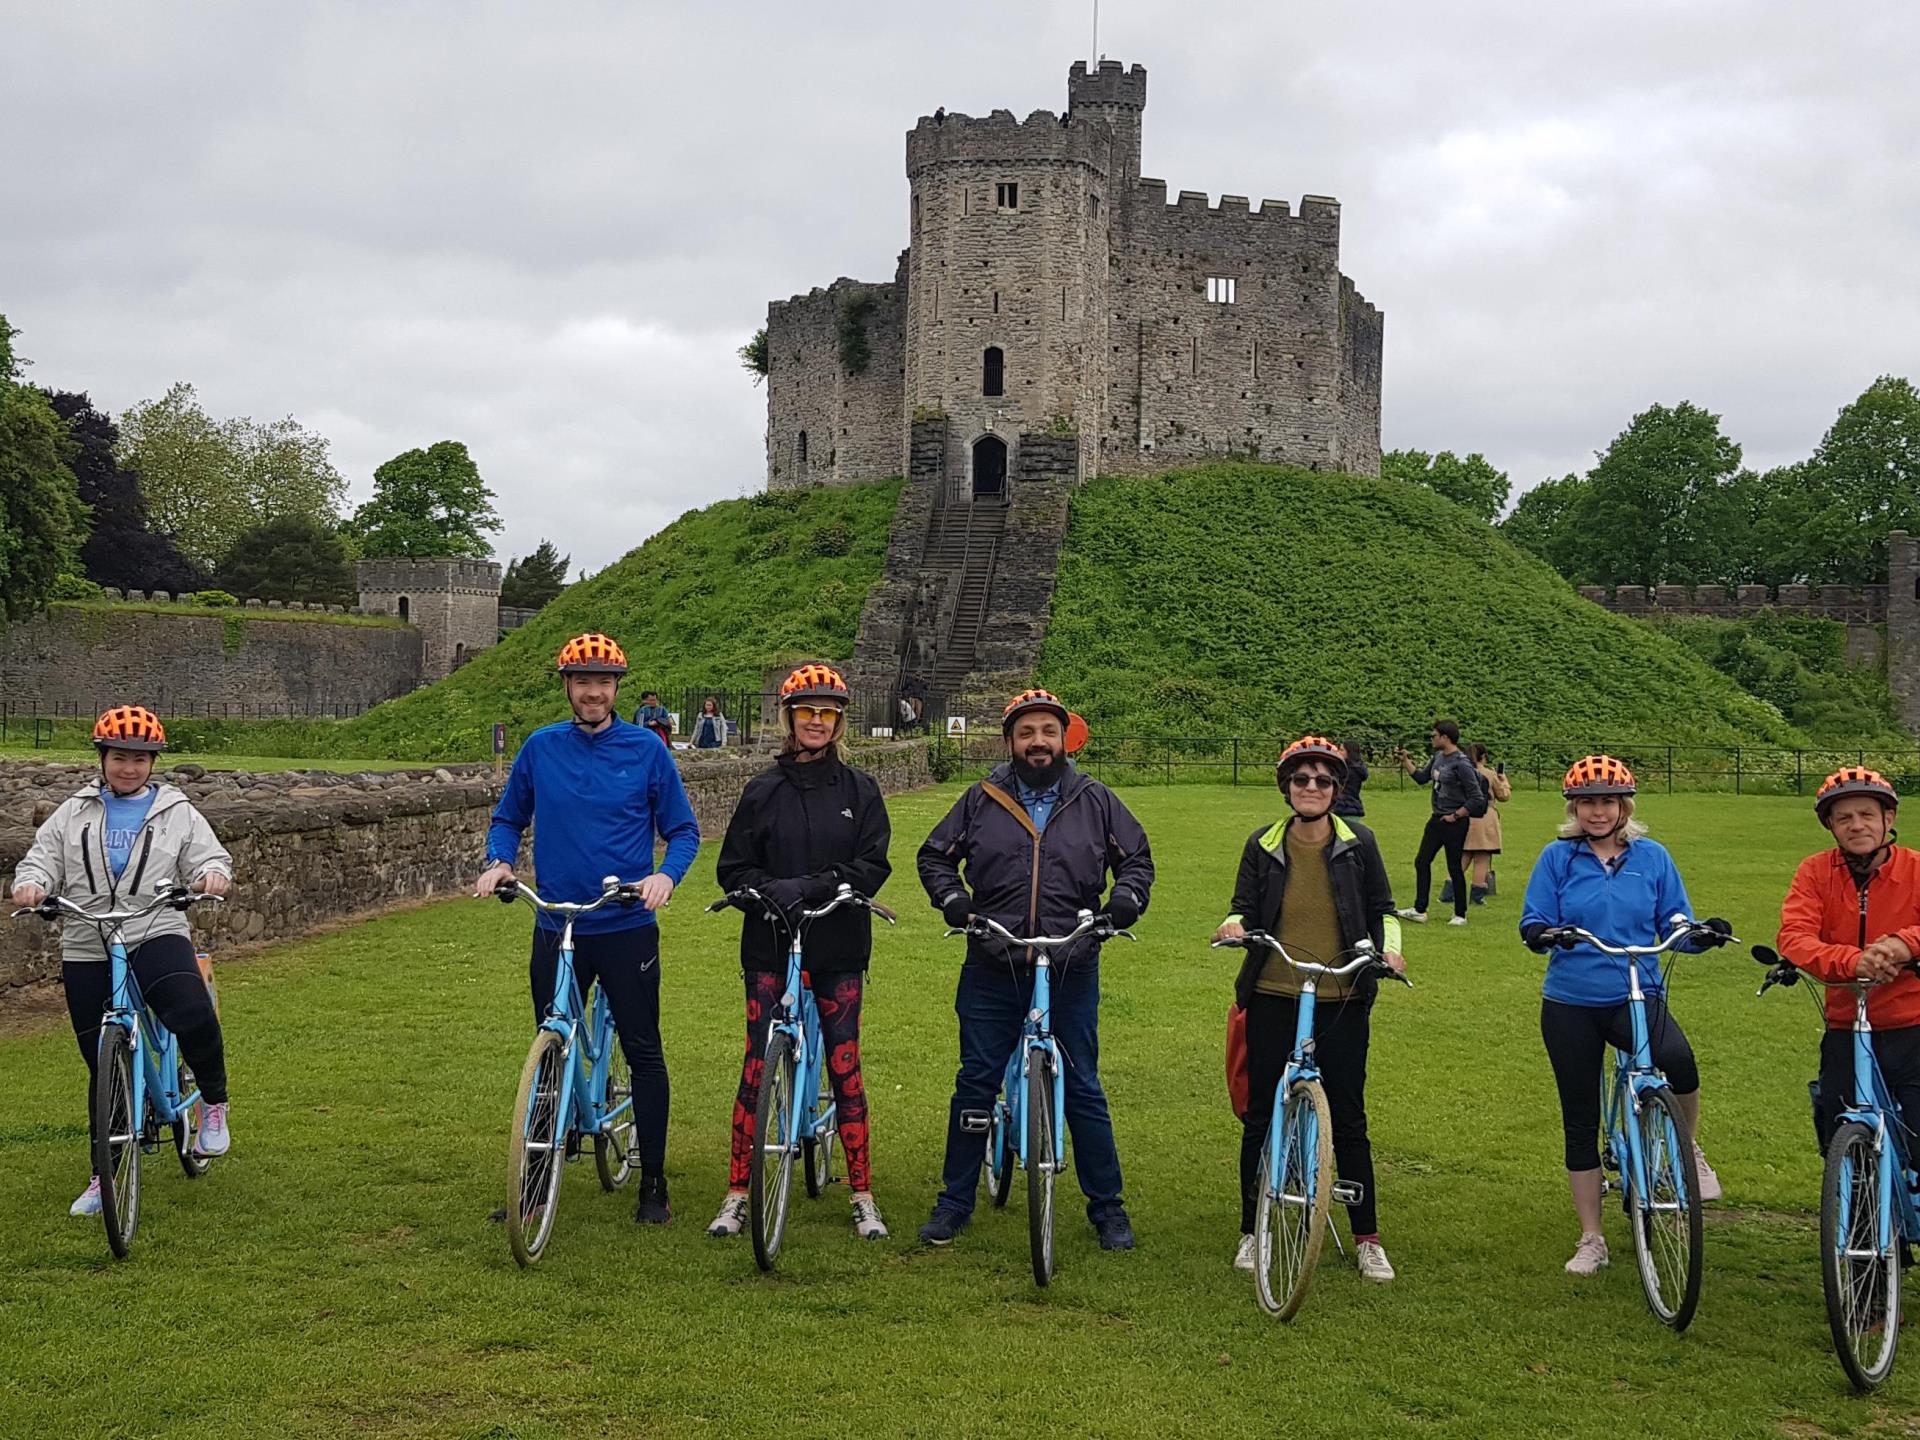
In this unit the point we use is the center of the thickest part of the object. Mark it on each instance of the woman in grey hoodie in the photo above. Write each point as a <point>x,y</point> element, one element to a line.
<point>118,838</point>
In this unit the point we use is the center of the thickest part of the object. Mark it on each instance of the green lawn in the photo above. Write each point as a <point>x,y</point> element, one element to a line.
<point>338,1275</point>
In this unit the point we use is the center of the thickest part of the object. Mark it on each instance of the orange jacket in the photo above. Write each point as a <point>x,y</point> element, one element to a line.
<point>1827,920</point>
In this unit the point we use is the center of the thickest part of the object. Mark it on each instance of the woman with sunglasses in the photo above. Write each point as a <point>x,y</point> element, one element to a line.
<point>804,827</point>
<point>1316,883</point>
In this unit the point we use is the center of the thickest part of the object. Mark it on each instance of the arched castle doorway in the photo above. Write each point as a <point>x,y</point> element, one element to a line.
<point>989,467</point>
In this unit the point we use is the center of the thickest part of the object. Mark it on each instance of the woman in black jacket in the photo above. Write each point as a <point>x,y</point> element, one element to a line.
<point>803,828</point>
<point>1318,885</point>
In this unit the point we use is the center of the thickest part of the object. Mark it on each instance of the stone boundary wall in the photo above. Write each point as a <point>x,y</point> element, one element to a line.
<point>1855,603</point>
<point>311,847</point>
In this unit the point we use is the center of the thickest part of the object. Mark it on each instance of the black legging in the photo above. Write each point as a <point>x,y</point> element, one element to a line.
<point>627,964</point>
<point>170,983</point>
<point>1341,1031</point>
<point>1450,836</point>
<point>838,997</point>
<point>1577,1037</point>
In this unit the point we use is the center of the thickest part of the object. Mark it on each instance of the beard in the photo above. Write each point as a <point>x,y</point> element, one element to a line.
<point>1039,777</point>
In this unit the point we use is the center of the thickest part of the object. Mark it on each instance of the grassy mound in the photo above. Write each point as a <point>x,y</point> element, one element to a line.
<point>1261,600</point>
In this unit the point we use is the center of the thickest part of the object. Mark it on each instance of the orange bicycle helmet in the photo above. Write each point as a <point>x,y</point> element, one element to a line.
<point>1312,747</point>
<point>1032,700</point>
<point>1853,780</point>
<point>814,682</point>
<point>591,654</point>
<point>129,727</point>
<point>1596,775</point>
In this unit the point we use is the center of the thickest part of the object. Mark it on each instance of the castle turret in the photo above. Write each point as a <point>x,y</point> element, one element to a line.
<point>1118,96</point>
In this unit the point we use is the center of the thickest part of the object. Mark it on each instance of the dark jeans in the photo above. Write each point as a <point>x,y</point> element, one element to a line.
<point>992,1003</point>
<point>627,964</point>
<point>1898,1053</point>
<point>1577,1037</point>
<point>1342,1030</point>
<point>170,983</point>
<point>1450,836</point>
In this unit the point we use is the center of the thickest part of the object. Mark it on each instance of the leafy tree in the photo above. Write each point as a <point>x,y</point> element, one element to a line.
<point>1864,480</point>
<point>533,580</point>
<point>1542,521</point>
<point>427,502</point>
<point>753,355</point>
<point>42,521</point>
<point>292,558</point>
<point>207,481</point>
<point>122,551</point>
<point>1472,482</point>
<point>1656,508</point>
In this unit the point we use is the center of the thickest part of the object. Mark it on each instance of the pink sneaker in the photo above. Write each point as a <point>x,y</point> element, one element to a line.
<point>212,1139</point>
<point>89,1202</point>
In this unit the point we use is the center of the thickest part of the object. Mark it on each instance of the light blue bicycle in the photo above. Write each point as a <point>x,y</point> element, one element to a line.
<point>1024,1123</point>
<point>576,1083</point>
<point>141,1081</point>
<point>1869,1203</point>
<point>1296,1164</point>
<point>796,1117</point>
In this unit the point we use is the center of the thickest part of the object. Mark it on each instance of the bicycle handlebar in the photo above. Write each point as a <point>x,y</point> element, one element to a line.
<point>179,897</point>
<point>1683,928</point>
<point>1364,955</point>
<point>1782,971</point>
<point>845,895</point>
<point>611,892</point>
<point>984,927</point>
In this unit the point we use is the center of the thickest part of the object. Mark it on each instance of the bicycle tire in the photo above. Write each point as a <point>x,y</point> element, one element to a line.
<point>1042,1140</point>
<point>1001,1152</point>
<point>1667,1233</point>
<point>1856,1293</point>
<point>1291,1224</point>
<point>613,1148</point>
<point>770,1181</point>
<point>116,1139</point>
<point>816,1152</point>
<point>535,1149</point>
<point>186,1129</point>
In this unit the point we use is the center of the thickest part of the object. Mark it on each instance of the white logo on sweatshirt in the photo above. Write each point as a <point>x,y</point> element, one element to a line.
<point>847,813</point>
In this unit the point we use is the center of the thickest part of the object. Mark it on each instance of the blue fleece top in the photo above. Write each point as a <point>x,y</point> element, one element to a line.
<point>125,815</point>
<point>1627,903</point>
<point>597,800</point>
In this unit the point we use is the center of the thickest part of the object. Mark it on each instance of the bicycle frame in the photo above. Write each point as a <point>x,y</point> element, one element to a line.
<point>1634,1074</point>
<point>1872,1106</point>
<point>156,1051</point>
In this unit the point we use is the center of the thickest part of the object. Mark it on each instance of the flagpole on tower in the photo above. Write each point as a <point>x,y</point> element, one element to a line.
<point>1096,34</point>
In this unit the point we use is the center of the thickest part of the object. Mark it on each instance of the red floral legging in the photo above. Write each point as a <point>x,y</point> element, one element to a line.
<point>838,998</point>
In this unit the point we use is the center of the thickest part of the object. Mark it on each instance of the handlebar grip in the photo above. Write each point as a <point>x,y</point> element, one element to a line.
<point>506,894</point>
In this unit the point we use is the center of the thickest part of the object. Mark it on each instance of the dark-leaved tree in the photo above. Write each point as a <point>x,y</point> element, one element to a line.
<point>293,558</point>
<point>42,522</point>
<point>532,580</point>
<point>122,551</point>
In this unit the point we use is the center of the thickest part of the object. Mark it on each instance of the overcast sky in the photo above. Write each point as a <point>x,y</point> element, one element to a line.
<point>545,229</point>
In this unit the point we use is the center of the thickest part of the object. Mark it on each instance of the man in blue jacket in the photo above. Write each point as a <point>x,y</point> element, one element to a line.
<point>598,791</point>
<point>1038,840</point>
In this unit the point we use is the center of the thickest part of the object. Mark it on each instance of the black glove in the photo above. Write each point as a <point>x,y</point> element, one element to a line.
<point>783,894</point>
<point>818,889</point>
<point>1534,937</point>
<point>957,909</point>
<point>1712,933</point>
<point>1122,908</point>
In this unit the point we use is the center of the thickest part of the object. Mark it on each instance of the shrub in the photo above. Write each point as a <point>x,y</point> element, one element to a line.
<point>75,587</point>
<point>218,599</point>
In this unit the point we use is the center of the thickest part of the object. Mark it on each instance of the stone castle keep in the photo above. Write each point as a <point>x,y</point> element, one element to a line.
<point>1047,289</point>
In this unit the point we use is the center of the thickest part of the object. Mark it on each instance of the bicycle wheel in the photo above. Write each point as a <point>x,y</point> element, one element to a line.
<point>1290,1221</point>
<point>1043,1131</point>
<point>1001,1151</point>
<point>186,1129</point>
<point>116,1138</point>
<point>816,1154</point>
<point>770,1182</point>
<point>613,1147</point>
<point>1862,1279</point>
<point>1666,1220</point>
<point>535,1148</point>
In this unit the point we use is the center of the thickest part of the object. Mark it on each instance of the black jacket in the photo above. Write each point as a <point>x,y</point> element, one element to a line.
<point>1362,897</point>
<point>1455,782</point>
<point>1035,885</point>
<point>821,820</point>
<point>1349,802</point>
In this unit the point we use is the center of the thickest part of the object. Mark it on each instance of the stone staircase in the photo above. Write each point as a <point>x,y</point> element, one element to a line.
<point>967,548</point>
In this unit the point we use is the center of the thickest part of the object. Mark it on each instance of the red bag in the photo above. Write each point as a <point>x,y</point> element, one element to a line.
<point>1238,1087</point>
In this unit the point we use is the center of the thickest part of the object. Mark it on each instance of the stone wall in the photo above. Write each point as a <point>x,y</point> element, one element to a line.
<point>1028,561</point>
<point>851,423</point>
<point>1903,626</point>
<point>454,603</point>
<point>311,847</point>
<point>887,615</point>
<point>1855,604</point>
<point>82,658</point>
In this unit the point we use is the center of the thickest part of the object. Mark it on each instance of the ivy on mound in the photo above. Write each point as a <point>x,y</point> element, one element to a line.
<point>1262,600</point>
<point>713,600</point>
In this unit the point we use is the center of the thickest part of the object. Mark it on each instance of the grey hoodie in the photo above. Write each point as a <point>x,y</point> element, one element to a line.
<point>69,857</point>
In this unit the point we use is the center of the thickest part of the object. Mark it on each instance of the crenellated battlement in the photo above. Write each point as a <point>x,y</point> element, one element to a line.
<point>428,576</point>
<point>1151,197</point>
<point>1112,84</point>
<point>1861,604</point>
<point>1001,139</point>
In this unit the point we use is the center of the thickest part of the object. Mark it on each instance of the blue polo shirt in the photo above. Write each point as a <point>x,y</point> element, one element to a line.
<point>597,801</point>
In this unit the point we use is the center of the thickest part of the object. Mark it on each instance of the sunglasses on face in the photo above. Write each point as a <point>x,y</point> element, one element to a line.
<point>1311,782</point>
<point>826,714</point>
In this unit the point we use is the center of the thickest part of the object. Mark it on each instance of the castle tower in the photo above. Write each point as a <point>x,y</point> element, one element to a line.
<point>1118,96</point>
<point>454,603</point>
<point>1007,284</point>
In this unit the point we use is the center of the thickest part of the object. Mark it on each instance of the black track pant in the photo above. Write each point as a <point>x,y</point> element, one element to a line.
<point>1577,1037</point>
<point>1450,836</point>
<point>1341,1032</point>
<point>170,983</point>
<point>627,964</point>
<point>1898,1054</point>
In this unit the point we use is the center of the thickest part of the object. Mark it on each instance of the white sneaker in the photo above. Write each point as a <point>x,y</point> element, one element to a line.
<point>732,1218</point>
<point>1709,1182</point>
<point>1590,1255</point>
<point>1371,1257</point>
<point>867,1223</point>
<point>1243,1257</point>
<point>1458,920</point>
<point>89,1201</point>
<point>1418,917</point>
<point>212,1139</point>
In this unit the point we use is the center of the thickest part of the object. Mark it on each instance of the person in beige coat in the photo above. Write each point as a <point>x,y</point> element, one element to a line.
<point>1483,834</point>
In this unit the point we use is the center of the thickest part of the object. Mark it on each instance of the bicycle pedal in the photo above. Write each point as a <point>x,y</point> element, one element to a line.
<point>976,1122</point>
<point>1348,1192</point>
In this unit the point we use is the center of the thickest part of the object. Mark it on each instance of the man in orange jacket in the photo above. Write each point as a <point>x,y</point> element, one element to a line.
<point>1853,914</point>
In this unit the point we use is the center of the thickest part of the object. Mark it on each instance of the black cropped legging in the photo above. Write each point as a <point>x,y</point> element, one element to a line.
<point>170,983</point>
<point>1577,1037</point>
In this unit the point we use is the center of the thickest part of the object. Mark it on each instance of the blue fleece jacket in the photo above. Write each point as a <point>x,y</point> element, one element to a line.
<point>596,800</point>
<point>1627,904</point>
